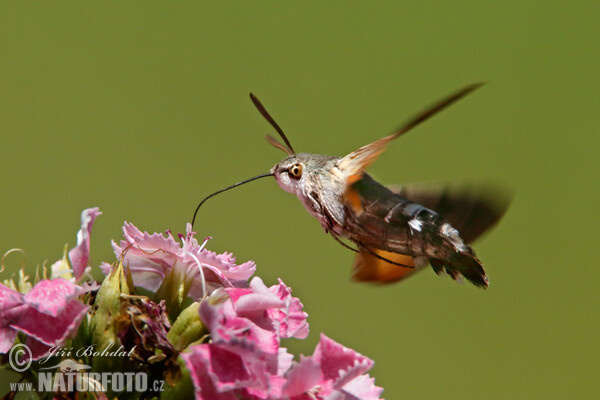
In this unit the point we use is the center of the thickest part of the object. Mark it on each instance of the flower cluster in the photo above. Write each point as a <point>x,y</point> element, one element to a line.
<point>245,360</point>
<point>182,314</point>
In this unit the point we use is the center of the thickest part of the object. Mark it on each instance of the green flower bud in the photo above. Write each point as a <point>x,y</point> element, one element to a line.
<point>187,328</point>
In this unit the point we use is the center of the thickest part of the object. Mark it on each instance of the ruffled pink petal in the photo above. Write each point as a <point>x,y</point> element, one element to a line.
<point>292,320</point>
<point>303,377</point>
<point>235,272</point>
<point>226,326</point>
<point>222,264</point>
<point>231,369</point>
<point>149,242</point>
<point>259,298</point>
<point>362,387</point>
<point>236,293</point>
<point>11,305</point>
<point>105,267</point>
<point>52,296</point>
<point>51,330</point>
<point>148,266</point>
<point>144,250</point>
<point>284,362</point>
<point>227,368</point>
<point>9,298</point>
<point>145,276</point>
<point>211,273</point>
<point>242,330</point>
<point>273,309</point>
<point>38,349</point>
<point>340,363</point>
<point>203,384</point>
<point>80,254</point>
<point>137,254</point>
<point>276,366</point>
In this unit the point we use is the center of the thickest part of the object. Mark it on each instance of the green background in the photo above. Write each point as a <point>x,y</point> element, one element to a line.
<point>142,109</point>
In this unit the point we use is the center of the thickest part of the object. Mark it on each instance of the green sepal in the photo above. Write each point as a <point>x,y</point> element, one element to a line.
<point>187,328</point>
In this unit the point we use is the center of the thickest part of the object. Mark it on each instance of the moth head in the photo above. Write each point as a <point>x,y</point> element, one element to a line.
<point>289,173</point>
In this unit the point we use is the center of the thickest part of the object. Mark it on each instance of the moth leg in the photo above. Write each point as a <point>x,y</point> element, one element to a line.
<point>337,239</point>
<point>326,220</point>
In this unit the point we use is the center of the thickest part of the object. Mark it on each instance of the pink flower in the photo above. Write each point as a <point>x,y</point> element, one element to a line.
<point>152,257</point>
<point>223,371</point>
<point>271,308</point>
<point>245,358</point>
<point>225,326</point>
<point>80,254</point>
<point>332,372</point>
<point>48,314</point>
<point>257,314</point>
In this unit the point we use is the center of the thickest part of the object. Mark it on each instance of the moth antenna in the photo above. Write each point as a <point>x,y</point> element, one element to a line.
<point>273,142</point>
<point>225,189</point>
<point>436,107</point>
<point>261,109</point>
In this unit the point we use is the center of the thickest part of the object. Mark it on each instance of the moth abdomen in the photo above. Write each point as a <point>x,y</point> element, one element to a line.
<point>430,235</point>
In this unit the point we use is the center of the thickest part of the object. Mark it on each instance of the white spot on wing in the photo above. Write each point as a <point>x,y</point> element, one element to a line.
<point>452,234</point>
<point>415,224</point>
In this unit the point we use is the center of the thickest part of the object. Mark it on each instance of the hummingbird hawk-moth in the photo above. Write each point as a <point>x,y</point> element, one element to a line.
<point>396,230</point>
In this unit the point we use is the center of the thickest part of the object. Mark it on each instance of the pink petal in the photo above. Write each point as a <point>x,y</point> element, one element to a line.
<point>51,330</point>
<point>105,267</point>
<point>9,298</point>
<point>227,368</point>
<point>149,257</point>
<point>284,361</point>
<point>203,384</point>
<point>362,387</point>
<point>80,254</point>
<point>303,377</point>
<point>148,242</point>
<point>11,304</point>
<point>212,275</point>
<point>338,362</point>
<point>292,320</point>
<point>52,296</point>
<point>231,369</point>
<point>226,326</point>
<point>7,338</point>
<point>148,266</point>
<point>259,299</point>
<point>236,293</point>
<point>272,309</point>
<point>224,263</point>
<point>38,349</point>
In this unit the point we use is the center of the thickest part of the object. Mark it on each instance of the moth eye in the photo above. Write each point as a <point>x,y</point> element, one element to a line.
<point>296,171</point>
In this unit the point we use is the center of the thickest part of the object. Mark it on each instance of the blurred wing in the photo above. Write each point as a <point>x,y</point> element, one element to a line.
<point>354,163</point>
<point>471,210</point>
<point>368,268</point>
